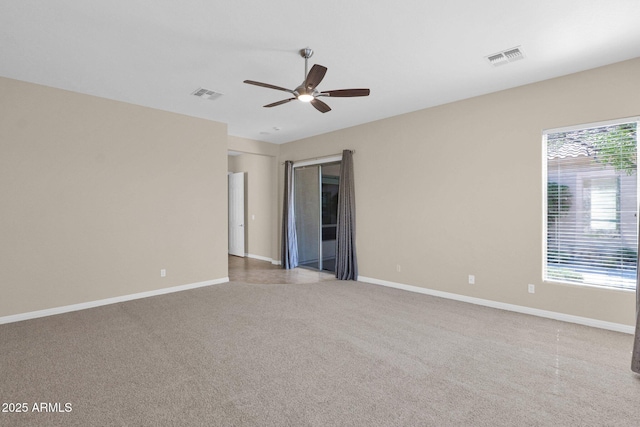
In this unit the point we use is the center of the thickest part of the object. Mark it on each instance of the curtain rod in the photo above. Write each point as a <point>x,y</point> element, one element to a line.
<point>320,157</point>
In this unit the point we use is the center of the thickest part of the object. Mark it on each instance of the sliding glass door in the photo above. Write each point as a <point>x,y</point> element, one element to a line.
<point>316,210</point>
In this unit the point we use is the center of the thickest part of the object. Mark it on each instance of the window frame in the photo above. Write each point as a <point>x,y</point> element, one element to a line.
<point>609,234</point>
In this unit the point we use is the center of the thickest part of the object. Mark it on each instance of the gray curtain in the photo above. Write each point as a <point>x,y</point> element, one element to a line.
<point>635,358</point>
<point>346,260</point>
<point>289,248</point>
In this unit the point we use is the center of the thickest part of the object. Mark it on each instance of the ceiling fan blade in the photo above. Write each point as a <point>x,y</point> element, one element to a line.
<point>275,104</point>
<point>267,85</point>
<point>345,93</point>
<point>320,106</point>
<point>315,76</point>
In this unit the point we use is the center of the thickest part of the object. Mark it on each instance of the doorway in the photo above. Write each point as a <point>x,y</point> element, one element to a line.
<point>316,208</point>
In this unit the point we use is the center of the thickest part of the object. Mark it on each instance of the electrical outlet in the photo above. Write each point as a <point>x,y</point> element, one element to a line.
<point>472,279</point>
<point>163,273</point>
<point>532,288</point>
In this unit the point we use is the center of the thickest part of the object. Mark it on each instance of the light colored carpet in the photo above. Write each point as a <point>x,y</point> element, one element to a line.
<point>314,353</point>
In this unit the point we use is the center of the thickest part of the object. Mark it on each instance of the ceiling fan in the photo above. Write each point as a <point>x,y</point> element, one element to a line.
<point>307,91</point>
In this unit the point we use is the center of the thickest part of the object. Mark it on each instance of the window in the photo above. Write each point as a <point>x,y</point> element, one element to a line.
<point>591,204</point>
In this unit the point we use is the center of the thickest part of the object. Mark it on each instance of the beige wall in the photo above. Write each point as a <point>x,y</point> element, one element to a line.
<point>457,189</point>
<point>98,196</point>
<point>245,145</point>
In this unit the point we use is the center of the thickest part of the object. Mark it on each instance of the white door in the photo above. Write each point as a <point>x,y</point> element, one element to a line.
<point>236,214</point>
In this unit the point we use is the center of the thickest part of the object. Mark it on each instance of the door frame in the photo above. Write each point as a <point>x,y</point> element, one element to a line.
<point>236,214</point>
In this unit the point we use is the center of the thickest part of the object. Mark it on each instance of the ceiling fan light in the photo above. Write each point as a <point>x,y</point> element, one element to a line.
<point>305,97</point>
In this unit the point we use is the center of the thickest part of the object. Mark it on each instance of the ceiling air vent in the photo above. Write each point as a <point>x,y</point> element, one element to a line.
<point>506,56</point>
<point>206,94</point>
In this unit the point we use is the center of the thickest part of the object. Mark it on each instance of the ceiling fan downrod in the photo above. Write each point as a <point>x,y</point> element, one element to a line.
<point>306,53</point>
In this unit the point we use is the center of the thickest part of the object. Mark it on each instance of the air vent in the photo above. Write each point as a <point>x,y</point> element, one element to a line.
<point>206,94</point>
<point>506,56</point>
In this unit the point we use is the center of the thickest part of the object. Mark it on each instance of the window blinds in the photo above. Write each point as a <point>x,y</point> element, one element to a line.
<point>591,204</point>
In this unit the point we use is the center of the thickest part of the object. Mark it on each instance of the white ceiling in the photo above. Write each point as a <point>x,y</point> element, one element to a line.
<point>412,54</point>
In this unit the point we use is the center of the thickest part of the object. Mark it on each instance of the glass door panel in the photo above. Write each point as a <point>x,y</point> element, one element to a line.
<point>330,184</point>
<point>307,211</point>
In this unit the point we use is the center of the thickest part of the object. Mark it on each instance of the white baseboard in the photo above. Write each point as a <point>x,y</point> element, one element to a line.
<point>618,327</point>
<point>107,301</point>
<point>259,257</point>
<point>264,258</point>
